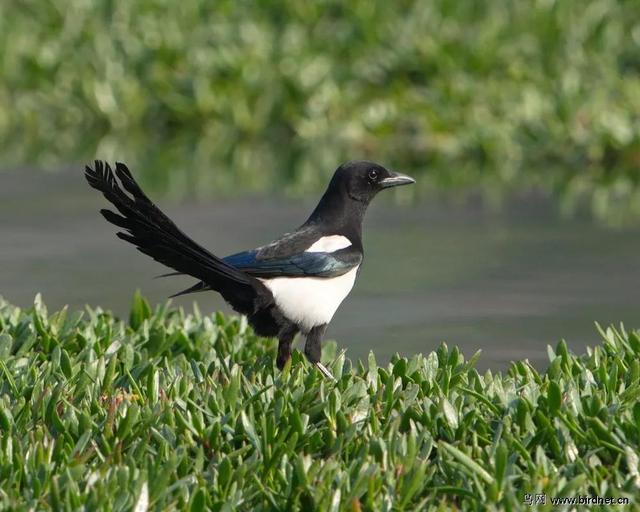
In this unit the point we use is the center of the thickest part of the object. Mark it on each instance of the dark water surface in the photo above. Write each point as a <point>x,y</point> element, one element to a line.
<point>508,283</point>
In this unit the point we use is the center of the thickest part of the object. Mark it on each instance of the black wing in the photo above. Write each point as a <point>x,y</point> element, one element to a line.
<point>289,244</point>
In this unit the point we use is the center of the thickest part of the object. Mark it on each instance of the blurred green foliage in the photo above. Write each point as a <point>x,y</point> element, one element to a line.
<point>484,94</point>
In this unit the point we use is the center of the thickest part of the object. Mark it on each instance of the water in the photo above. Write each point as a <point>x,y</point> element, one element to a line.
<point>508,282</point>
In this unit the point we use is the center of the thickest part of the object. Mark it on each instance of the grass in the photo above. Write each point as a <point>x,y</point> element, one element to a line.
<point>187,411</point>
<point>495,95</point>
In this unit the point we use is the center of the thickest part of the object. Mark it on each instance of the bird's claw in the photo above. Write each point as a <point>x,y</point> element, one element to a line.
<point>325,372</point>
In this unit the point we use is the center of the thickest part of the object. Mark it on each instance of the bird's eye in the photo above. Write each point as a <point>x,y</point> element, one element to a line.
<point>373,175</point>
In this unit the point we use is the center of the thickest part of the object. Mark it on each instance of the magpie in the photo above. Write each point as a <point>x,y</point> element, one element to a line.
<point>289,286</point>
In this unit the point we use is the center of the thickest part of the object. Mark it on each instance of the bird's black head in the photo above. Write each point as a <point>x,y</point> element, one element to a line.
<point>362,180</point>
<point>353,186</point>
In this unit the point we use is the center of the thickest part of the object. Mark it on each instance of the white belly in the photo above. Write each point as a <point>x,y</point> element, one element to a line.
<point>310,301</point>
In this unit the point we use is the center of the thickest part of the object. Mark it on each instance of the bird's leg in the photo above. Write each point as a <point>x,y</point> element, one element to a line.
<point>285,338</point>
<point>313,349</point>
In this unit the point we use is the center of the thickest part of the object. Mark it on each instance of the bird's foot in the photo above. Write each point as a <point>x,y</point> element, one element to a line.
<point>281,361</point>
<point>324,371</point>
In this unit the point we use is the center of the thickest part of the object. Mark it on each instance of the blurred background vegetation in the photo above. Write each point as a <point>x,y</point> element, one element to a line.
<point>208,97</point>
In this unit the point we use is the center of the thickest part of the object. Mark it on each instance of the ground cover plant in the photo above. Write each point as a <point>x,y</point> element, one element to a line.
<point>170,410</point>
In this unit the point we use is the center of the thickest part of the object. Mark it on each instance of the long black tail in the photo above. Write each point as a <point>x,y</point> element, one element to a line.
<point>154,234</point>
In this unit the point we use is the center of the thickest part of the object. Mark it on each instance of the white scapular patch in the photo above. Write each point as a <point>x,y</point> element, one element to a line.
<point>330,244</point>
<point>310,301</point>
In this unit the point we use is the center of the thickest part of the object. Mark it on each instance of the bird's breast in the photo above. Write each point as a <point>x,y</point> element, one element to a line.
<point>310,301</point>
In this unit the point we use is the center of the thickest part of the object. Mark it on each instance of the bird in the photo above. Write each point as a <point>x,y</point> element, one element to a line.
<point>291,285</point>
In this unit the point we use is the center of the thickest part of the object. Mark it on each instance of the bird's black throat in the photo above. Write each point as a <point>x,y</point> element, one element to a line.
<point>340,212</point>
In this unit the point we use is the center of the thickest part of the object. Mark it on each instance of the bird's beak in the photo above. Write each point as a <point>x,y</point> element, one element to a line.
<point>396,179</point>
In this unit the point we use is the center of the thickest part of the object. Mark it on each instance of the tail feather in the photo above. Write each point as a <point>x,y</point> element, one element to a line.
<point>198,287</point>
<point>154,234</point>
<point>169,274</point>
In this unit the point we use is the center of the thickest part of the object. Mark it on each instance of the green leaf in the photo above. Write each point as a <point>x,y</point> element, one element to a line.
<point>467,462</point>
<point>450,413</point>
<point>126,424</point>
<point>501,457</point>
<point>6,342</point>
<point>554,397</point>
<point>198,501</point>
<point>140,311</point>
<point>573,486</point>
